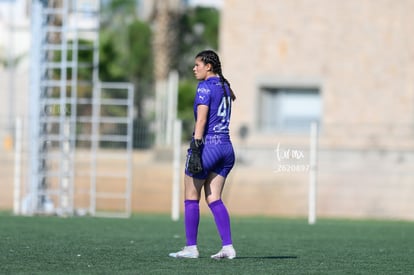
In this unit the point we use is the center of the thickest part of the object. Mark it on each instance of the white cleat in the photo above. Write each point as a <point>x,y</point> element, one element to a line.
<point>226,252</point>
<point>190,252</point>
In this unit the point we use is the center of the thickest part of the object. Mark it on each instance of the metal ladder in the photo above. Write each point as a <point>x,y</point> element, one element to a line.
<point>54,97</point>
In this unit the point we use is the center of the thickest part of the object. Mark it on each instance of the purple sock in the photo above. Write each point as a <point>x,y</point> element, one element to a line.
<point>222,218</point>
<point>191,220</point>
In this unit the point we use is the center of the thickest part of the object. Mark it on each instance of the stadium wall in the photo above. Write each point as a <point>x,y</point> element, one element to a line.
<point>351,184</point>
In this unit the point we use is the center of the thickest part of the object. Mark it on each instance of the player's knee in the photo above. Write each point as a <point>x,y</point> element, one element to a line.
<point>212,198</point>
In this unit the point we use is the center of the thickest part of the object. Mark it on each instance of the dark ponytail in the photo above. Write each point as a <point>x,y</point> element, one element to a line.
<point>210,57</point>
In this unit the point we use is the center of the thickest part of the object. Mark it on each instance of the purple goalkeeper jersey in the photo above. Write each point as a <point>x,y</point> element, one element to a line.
<point>210,92</point>
<point>217,154</point>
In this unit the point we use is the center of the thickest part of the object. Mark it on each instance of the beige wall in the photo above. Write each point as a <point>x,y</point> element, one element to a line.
<point>379,189</point>
<point>360,54</point>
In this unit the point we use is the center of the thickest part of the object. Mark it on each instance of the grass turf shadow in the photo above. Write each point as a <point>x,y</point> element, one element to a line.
<point>266,257</point>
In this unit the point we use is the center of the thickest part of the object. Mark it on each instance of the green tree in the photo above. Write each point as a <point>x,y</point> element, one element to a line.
<point>186,91</point>
<point>125,50</point>
<point>126,55</point>
<point>198,30</point>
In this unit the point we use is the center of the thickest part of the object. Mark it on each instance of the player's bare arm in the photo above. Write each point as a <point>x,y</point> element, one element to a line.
<point>202,112</point>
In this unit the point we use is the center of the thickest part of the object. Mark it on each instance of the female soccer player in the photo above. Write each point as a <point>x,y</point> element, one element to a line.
<point>210,157</point>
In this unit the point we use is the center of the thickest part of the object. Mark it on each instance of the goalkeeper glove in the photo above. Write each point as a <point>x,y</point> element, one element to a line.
<point>194,165</point>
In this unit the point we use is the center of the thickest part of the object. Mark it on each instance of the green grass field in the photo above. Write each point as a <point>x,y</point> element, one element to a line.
<point>140,245</point>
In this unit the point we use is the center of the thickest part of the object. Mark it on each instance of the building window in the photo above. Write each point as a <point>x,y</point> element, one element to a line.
<point>288,109</point>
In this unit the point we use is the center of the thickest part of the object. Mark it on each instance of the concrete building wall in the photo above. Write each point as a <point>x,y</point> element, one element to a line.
<point>359,53</point>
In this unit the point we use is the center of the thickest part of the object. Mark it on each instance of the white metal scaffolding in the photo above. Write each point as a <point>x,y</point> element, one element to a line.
<point>57,72</point>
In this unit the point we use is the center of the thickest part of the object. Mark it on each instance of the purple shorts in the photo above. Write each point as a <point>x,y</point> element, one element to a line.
<point>217,157</point>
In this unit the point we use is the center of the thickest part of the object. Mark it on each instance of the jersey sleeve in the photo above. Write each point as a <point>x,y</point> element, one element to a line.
<point>203,95</point>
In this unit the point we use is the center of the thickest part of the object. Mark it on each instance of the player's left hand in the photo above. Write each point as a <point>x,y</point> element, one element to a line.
<point>194,164</point>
